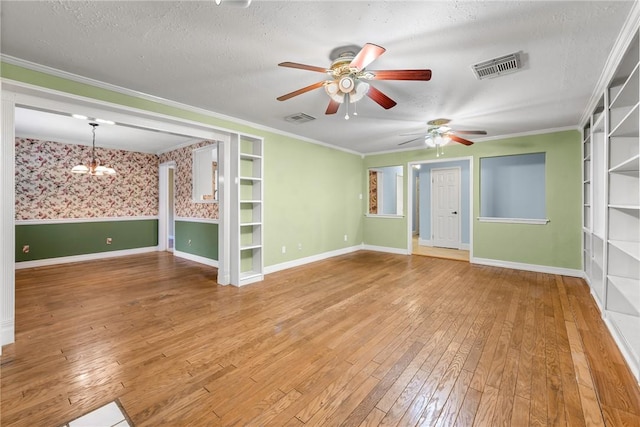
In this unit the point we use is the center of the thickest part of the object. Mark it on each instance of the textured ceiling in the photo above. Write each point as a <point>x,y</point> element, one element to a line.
<point>224,59</point>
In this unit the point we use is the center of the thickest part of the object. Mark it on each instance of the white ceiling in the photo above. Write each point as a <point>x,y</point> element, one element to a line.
<point>224,59</point>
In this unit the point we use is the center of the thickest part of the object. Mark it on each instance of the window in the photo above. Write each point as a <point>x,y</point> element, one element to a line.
<point>512,188</point>
<point>386,191</point>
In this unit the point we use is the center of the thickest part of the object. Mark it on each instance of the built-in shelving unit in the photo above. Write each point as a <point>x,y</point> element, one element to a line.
<point>611,212</point>
<point>247,199</point>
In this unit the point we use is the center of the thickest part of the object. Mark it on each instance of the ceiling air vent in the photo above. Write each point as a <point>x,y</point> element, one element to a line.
<point>498,66</point>
<point>299,118</point>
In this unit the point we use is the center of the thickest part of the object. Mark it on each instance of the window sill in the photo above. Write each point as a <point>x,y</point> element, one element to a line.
<point>384,216</point>
<point>543,221</point>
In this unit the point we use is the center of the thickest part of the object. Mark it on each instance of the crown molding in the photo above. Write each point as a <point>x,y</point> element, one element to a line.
<point>628,31</point>
<point>152,98</point>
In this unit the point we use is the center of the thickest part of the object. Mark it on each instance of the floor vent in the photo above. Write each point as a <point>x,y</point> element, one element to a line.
<point>498,66</point>
<point>299,118</point>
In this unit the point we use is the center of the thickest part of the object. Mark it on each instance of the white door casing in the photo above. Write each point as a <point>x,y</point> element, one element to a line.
<point>445,207</point>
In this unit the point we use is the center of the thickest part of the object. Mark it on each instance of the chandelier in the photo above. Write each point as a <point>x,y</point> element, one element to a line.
<point>94,167</point>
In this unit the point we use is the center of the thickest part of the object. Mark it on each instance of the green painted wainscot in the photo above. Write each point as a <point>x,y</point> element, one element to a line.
<point>80,238</point>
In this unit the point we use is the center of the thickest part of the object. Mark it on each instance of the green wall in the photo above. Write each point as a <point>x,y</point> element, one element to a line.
<point>80,238</point>
<point>312,198</point>
<point>197,238</point>
<point>555,244</point>
<point>311,191</point>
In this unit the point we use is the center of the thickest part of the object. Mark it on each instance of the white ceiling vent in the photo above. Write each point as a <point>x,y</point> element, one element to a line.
<point>498,66</point>
<point>299,118</point>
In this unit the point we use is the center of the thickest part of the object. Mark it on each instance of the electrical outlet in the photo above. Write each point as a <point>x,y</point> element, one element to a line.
<point>299,246</point>
<point>189,242</point>
<point>109,240</point>
<point>345,237</point>
<point>360,196</point>
<point>284,249</point>
<point>25,249</point>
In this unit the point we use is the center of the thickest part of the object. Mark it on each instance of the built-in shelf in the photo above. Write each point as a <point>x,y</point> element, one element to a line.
<point>627,125</point>
<point>629,165</point>
<point>247,243</point>
<point>627,93</point>
<point>249,247</point>
<point>629,289</point>
<point>626,207</point>
<point>630,248</point>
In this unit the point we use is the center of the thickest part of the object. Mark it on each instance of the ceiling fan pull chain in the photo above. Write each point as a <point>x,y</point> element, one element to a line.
<point>355,108</point>
<point>346,103</point>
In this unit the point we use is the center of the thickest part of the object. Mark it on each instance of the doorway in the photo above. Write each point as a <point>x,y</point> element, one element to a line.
<point>166,205</point>
<point>453,237</point>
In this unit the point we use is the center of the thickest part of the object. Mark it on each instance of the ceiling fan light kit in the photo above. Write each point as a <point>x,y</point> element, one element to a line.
<point>348,78</point>
<point>438,134</point>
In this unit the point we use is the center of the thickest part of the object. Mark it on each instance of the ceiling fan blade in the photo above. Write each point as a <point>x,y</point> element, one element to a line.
<point>302,66</point>
<point>300,91</point>
<point>332,108</point>
<point>382,99</point>
<point>415,133</point>
<point>369,53</point>
<point>470,132</point>
<point>401,75</point>
<point>458,139</point>
<point>411,140</point>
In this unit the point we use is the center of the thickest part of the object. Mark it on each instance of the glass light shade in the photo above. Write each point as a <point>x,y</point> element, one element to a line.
<point>361,90</point>
<point>80,169</point>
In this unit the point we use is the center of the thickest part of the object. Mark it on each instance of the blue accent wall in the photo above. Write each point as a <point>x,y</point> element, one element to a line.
<point>425,197</point>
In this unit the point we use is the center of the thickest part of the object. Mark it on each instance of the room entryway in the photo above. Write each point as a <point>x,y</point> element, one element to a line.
<point>446,253</point>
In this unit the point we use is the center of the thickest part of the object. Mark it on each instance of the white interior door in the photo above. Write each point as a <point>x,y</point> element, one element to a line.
<point>445,207</point>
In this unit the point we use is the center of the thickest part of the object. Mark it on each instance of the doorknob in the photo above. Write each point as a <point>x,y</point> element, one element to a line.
<point>454,213</point>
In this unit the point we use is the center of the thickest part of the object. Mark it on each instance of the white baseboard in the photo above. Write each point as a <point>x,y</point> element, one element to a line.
<point>7,333</point>
<point>386,249</point>
<point>622,346</point>
<point>84,257</point>
<point>528,267</point>
<point>302,261</point>
<point>196,258</point>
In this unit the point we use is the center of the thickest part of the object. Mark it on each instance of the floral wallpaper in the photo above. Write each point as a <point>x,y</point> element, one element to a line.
<point>184,205</point>
<point>46,188</point>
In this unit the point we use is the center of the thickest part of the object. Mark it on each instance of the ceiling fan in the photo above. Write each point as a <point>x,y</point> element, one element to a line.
<point>348,77</point>
<point>439,134</point>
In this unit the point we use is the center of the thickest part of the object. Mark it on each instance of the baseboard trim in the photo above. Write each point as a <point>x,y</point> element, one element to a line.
<point>7,332</point>
<point>386,249</point>
<point>196,258</point>
<point>307,260</point>
<point>85,257</point>
<point>423,242</point>
<point>528,267</point>
<point>623,347</point>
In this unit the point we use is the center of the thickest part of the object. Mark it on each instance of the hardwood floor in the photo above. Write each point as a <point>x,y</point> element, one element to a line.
<point>364,339</point>
<point>432,251</point>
